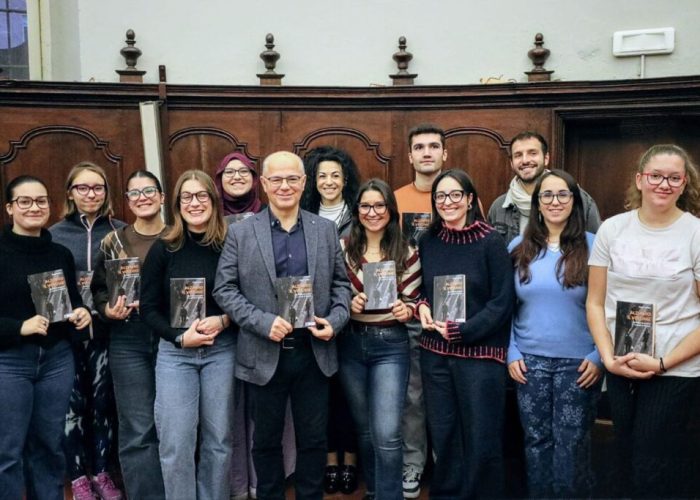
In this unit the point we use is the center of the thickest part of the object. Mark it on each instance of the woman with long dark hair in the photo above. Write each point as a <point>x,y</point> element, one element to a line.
<point>651,255</point>
<point>462,362</point>
<point>36,362</point>
<point>90,421</point>
<point>373,350</point>
<point>331,192</point>
<point>195,363</point>
<point>133,346</point>
<point>552,356</point>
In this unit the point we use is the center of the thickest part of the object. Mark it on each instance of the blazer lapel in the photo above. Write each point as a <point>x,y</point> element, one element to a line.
<point>311,238</point>
<point>264,236</point>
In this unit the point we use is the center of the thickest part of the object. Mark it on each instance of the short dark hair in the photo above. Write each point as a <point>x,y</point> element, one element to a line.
<point>145,174</point>
<point>522,136</point>
<point>18,181</point>
<point>425,128</point>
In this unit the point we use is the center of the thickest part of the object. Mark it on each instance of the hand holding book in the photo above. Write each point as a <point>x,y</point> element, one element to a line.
<point>120,310</point>
<point>36,325</point>
<point>80,317</point>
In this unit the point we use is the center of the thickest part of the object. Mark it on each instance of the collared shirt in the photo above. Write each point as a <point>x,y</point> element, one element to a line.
<point>289,248</point>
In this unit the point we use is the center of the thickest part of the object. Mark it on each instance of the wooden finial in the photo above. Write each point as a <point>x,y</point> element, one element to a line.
<point>402,58</point>
<point>270,58</point>
<point>538,55</point>
<point>130,53</point>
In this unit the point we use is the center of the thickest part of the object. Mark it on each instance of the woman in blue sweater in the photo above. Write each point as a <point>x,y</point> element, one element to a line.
<point>463,363</point>
<point>552,355</point>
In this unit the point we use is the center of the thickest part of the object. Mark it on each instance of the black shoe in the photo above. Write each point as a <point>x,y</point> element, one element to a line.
<point>331,481</point>
<point>348,479</point>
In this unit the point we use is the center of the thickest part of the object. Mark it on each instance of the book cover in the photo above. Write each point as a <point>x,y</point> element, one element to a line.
<point>379,284</point>
<point>450,298</point>
<point>295,300</point>
<point>84,278</point>
<point>123,278</point>
<point>414,225</point>
<point>187,301</point>
<point>634,328</point>
<point>50,295</point>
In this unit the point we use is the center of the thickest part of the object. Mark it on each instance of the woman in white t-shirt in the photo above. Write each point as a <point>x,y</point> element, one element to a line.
<point>651,255</point>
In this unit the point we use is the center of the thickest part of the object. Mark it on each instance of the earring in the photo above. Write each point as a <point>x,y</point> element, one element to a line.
<point>469,207</point>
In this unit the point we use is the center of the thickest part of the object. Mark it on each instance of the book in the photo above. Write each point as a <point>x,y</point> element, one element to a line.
<point>635,326</point>
<point>414,225</point>
<point>84,278</point>
<point>50,295</point>
<point>187,301</point>
<point>123,278</point>
<point>379,284</point>
<point>295,300</point>
<point>450,298</point>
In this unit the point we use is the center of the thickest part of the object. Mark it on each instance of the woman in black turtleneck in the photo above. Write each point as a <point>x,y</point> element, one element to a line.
<point>36,362</point>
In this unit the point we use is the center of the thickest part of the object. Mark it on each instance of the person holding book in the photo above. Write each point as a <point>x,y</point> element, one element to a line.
<point>373,350</point>
<point>91,418</point>
<point>332,196</point>
<point>133,346</point>
<point>36,362</point>
<point>650,255</point>
<point>194,366</point>
<point>462,363</point>
<point>552,356</point>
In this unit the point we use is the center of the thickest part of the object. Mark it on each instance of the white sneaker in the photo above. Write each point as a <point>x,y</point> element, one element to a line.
<point>411,483</point>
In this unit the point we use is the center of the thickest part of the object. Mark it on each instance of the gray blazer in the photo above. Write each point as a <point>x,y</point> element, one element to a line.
<point>245,290</point>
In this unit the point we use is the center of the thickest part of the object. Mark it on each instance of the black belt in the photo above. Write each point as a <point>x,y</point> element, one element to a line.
<point>296,340</point>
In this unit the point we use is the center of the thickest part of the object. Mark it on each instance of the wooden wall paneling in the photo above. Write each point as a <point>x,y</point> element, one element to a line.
<point>602,147</point>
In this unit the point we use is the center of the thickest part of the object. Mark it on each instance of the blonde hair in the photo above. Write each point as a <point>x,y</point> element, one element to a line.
<point>69,206</point>
<point>689,200</point>
<point>215,233</point>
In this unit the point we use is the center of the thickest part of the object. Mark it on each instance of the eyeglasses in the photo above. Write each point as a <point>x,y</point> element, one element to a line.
<point>293,181</point>
<point>455,196</point>
<point>187,197</point>
<point>148,192</point>
<point>84,189</point>
<point>673,180</point>
<point>366,208</point>
<point>244,172</point>
<point>26,202</point>
<point>563,197</point>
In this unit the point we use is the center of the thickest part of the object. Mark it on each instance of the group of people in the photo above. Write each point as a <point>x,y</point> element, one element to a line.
<point>230,404</point>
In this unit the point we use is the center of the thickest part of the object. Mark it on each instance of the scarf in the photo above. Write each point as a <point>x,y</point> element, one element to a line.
<point>249,202</point>
<point>519,197</point>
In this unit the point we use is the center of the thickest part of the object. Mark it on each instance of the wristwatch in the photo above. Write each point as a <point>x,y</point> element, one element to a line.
<point>178,340</point>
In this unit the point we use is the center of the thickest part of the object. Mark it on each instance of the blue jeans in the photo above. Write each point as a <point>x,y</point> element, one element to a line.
<point>194,390</point>
<point>132,359</point>
<point>374,364</point>
<point>557,417</point>
<point>465,403</point>
<point>35,385</point>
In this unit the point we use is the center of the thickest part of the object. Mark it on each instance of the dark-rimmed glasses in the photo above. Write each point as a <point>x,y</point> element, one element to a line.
<point>455,196</point>
<point>148,192</point>
<point>673,180</point>
<point>563,197</point>
<point>186,197</point>
<point>366,208</point>
<point>26,202</point>
<point>244,172</point>
<point>84,189</point>
<point>293,181</point>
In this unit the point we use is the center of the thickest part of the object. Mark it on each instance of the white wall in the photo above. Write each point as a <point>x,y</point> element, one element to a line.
<point>350,43</point>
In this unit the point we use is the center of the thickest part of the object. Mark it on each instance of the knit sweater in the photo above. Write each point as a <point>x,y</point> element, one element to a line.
<point>193,260</point>
<point>478,252</point>
<point>550,320</point>
<point>21,256</point>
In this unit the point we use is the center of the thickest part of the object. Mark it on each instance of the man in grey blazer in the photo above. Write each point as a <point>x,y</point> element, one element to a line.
<point>280,361</point>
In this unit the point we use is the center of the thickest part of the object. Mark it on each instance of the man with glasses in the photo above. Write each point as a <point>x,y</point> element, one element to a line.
<point>529,158</point>
<point>280,361</point>
<point>426,154</point>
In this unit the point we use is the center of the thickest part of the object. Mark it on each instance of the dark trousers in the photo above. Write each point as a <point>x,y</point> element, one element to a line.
<point>465,404</point>
<point>132,359</point>
<point>298,378</point>
<point>342,437</point>
<point>650,422</point>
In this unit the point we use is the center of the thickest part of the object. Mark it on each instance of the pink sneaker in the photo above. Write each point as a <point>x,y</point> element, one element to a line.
<point>82,489</point>
<point>105,488</point>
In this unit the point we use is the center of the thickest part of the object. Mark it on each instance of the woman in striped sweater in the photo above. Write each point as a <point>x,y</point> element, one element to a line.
<point>373,351</point>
